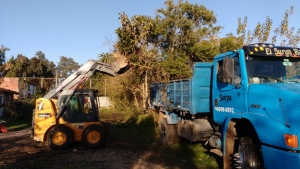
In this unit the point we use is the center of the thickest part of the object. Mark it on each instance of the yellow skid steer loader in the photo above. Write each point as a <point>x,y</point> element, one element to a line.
<point>67,114</point>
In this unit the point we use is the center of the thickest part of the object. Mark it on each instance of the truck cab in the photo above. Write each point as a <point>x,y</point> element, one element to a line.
<point>255,97</point>
<point>245,105</point>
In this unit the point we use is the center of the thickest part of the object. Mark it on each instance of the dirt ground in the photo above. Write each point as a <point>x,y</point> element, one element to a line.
<point>120,151</point>
<point>19,150</point>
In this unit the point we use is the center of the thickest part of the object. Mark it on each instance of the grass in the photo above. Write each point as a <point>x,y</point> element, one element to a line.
<point>142,130</point>
<point>139,132</point>
<point>12,125</point>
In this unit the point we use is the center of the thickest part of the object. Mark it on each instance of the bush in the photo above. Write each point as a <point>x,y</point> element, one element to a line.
<point>19,110</point>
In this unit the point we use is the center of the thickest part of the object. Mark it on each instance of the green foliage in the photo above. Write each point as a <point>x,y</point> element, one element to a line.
<point>184,28</point>
<point>17,125</point>
<point>230,42</point>
<point>19,110</point>
<point>3,50</point>
<point>178,67</point>
<point>165,47</point>
<point>106,58</point>
<point>37,66</point>
<point>205,50</point>
<point>262,31</point>
<point>66,66</point>
<point>20,65</point>
<point>289,38</point>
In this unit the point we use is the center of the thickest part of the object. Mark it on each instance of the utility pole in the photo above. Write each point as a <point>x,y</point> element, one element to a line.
<point>56,78</point>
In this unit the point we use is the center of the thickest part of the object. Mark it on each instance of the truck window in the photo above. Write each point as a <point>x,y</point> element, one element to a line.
<point>237,72</point>
<point>272,70</point>
<point>220,72</point>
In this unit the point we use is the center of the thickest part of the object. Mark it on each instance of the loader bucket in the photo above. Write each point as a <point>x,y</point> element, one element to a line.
<point>121,61</point>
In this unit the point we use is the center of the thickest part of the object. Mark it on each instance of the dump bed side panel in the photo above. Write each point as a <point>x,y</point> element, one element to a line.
<point>201,88</point>
<point>192,94</point>
<point>178,93</point>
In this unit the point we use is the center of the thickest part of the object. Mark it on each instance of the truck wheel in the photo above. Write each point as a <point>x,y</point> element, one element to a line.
<point>168,132</point>
<point>93,136</point>
<point>246,154</point>
<point>60,137</point>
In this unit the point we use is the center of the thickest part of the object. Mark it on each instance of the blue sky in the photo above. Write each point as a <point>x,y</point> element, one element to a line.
<point>81,28</point>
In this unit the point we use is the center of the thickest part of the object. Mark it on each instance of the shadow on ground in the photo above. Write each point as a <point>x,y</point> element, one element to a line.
<point>133,144</point>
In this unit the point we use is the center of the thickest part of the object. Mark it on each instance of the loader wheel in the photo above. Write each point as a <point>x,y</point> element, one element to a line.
<point>246,154</point>
<point>60,138</point>
<point>93,136</point>
<point>168,132</point>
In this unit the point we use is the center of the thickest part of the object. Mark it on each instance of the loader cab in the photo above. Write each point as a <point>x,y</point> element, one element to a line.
<point>80,107</point>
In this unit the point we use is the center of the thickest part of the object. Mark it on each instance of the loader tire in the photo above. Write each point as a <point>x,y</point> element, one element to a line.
<point>60,138</point>
<point>93,136</point>
<point>168,132</point>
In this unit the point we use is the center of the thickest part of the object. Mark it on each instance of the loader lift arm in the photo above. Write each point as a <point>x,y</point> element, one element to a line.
<point>83,73</point>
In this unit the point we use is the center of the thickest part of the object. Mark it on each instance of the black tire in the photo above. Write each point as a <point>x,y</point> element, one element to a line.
<point>167,132</point>
<point>247,154</point>
<point>60,138</point>
<point>93,136</point>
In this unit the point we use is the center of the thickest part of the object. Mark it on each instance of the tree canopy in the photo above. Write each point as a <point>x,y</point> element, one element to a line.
<point>66,66</point>
<point>37,66</point>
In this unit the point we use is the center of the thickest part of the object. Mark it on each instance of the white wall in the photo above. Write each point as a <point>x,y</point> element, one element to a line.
<point>103,102</point>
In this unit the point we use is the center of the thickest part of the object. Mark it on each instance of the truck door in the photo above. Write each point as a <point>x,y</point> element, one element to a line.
<point>228,94</point>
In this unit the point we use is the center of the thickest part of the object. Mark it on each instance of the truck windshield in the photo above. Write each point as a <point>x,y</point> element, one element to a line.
<point>273,69</point>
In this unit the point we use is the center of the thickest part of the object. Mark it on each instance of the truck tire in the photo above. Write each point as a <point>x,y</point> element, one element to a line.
<point>168,132</point>
<point>60,138</point>
<point>246,154</point>
<point>93,136</point>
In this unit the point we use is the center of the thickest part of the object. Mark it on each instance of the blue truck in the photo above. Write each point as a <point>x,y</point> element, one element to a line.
<point>245,105</point>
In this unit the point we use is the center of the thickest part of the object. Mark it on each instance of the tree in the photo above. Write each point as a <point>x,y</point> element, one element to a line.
<point>230,42</point>
<point>187,34</point>
<point>36,67</point>
<point>260,34</point>
<point>39,66</point>
<point>286,34</point>
<point>165,47</point>
<point>136,40</point>
<point>20,66</point>
<point>2,54</point>
<point>106,58</point>
<point>262,31</point>
<point>66,67</point>
<point>4,67</point>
